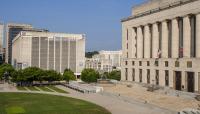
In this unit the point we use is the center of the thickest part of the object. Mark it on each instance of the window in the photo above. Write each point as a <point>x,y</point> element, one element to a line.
<point>166,64</point>
<point>133,74</point>
<point>166,78</point>
<point>140,63</point>
<point>133,63</point>
<point>157,77</point>
<point>156,63</point>
<point>127,54</point>
<point>189,64</point>
<point>127,46</point>
<point>140,75</point>
<point>126,73</point>
<point>126,62</point>
<point>148,63</point>
<point>176,63</point>
<point>148,76</point>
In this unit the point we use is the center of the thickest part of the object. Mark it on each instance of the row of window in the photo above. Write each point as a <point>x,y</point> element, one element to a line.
<point>154,81</point>
<point>156,63</point>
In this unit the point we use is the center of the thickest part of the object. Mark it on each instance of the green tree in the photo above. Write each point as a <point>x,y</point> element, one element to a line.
<point>6,68</point>
<point>89,75</point>
<point>69,75</point>
<point>116,75</point>
<point>52,75</point>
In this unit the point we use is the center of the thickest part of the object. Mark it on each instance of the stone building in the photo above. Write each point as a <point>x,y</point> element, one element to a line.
<point>105,61</point>
<point>161,44</point>
<point>47,50</point>
<point>12,30</point>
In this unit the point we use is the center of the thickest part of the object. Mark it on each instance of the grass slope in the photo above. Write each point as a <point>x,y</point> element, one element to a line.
<point>25,103</point>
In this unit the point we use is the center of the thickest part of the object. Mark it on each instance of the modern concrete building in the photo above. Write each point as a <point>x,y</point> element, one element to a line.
<point>161,44</point>
<point>47,50</point>
<point>2,54</point>
<point>105,61</point>
<point>12,30</point>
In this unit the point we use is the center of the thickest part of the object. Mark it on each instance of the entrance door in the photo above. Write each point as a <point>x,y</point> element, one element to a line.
<point>190,81</point>
<point>177,80</point>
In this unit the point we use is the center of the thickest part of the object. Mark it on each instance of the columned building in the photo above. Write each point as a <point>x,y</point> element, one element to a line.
<point>161,44</point>
<point>49,51</point>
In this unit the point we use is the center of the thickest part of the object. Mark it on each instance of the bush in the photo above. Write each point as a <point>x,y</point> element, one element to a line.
<point>89,75</point>
<point>69,75</point>
<point>6,68</point>
<point>116,75</point>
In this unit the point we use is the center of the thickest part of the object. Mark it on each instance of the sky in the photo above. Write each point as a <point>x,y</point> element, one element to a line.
<point>98,19</point>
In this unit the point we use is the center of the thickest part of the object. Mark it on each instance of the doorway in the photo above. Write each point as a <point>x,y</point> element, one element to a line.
<point>177,80</point>
<point>190,81</point>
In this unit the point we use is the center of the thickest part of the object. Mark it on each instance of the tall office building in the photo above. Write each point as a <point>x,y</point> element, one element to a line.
<point>161,44</point>
<point>12,30</point>
<point>47,50</point>
<point>2,54</point>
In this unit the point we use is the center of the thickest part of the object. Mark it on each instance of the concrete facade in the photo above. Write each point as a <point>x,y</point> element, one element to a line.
<point>105,61</point>
<point>163,38</point>
<point>47,50</point>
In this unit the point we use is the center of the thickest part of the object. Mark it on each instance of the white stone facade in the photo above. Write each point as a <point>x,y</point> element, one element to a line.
<point>47,50</point>
<point>105,61</point>
<point>161,44</point>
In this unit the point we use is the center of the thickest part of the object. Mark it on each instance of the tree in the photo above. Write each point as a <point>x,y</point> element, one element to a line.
<point>69,75</point>
<point>6,68</point>
<point>89,75</point>
<point>90,54</point>
<point>116,75</point>
<point>52,75</point>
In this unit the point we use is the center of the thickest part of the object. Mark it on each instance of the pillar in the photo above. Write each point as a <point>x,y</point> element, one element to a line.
<point>147,41</point>
<point>186,37</point>
<point>198,35</point>
<point>131,43</point>
<point>155,40</point>
<point>175,39</point>
<point>165,37</point>
<point>139,42</point>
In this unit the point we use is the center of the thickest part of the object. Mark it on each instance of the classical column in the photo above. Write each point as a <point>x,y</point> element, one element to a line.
<point>155,43</point>
<point>198,35</point>
<point>175,38</point>
<point>186,37</point>
<point>139,42</point>
<point>147,41</point>
<point>131,43</point>
<point>165,37</point>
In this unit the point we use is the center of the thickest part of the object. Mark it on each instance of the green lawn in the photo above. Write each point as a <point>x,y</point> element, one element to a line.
<point>21,88</point>
<point>32,88</point>
<point>25,103</point>
<point>43,88</point>
<point>57,89</point>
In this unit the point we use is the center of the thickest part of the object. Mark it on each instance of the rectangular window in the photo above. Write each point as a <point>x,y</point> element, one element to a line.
<point>193,35</point>
<point>148,76</point>
<point>133,74</point>
<point>133,63</point>
<point>126,73</point>
<point>166,78</point>
<point>151,40</point>
<point>127,34</point>
<point>140,63</point>
<point>176,63</point>
<point>126,62</point>
<point>180,25</point>
<point>166,64</point>
<point>127,46</point>
<point>156,63</point>
<point>148,63</point>
<point>140,75</point>
<point>189,64</point>
<point>157,77</point>
<point>169,23</point>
